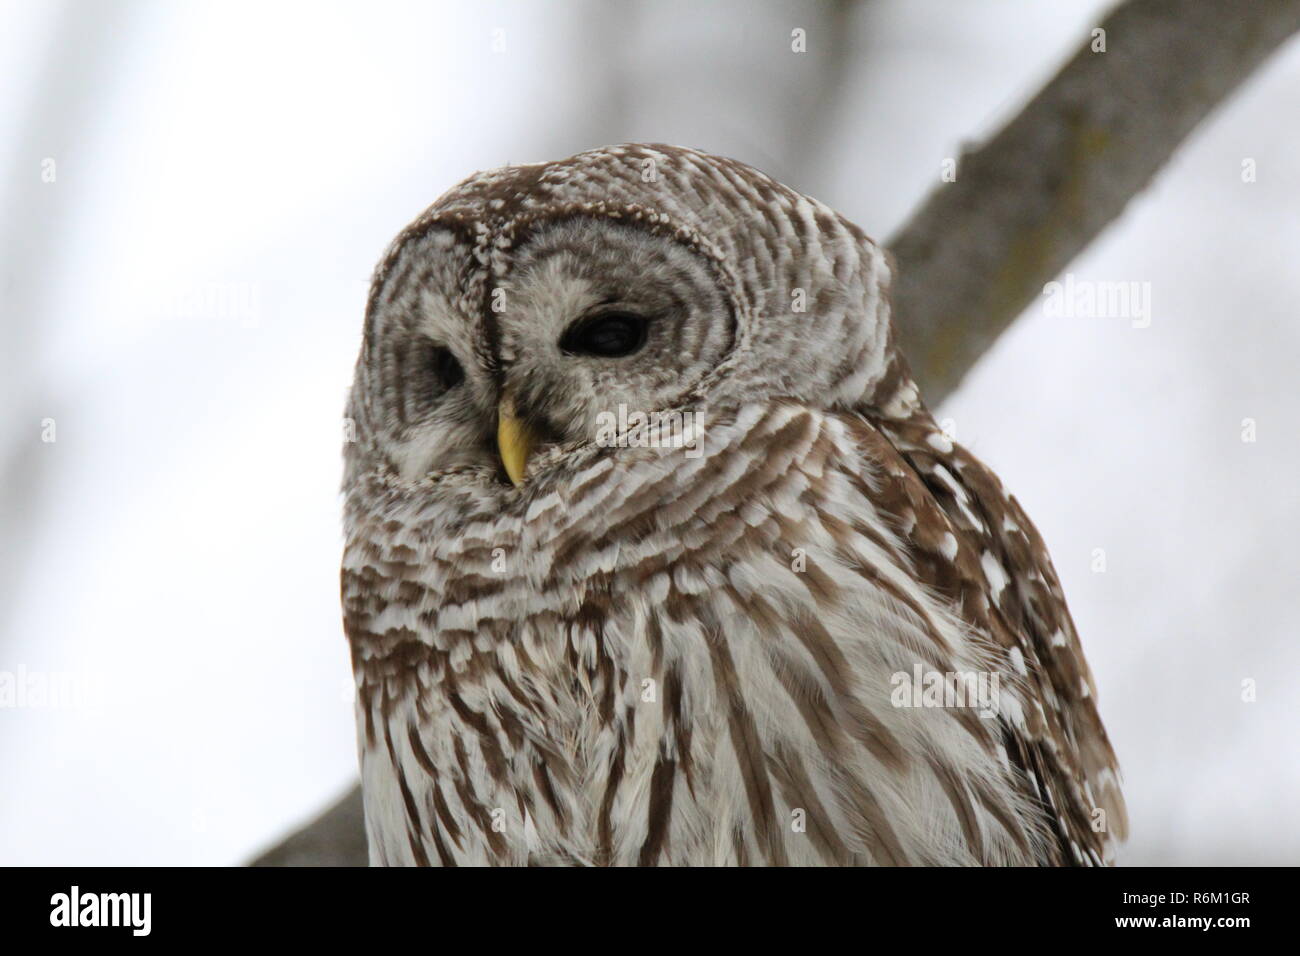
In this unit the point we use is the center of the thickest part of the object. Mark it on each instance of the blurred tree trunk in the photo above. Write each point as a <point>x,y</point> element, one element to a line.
<point>1024,204</point>
<point>33,232</point>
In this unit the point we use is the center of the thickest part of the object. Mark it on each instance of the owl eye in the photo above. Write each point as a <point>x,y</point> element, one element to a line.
<point>612,335</point>
<point>447,369</point>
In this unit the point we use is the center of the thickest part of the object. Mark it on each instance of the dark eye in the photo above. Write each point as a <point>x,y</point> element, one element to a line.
<point>448,370</point>
<point>611,335</point>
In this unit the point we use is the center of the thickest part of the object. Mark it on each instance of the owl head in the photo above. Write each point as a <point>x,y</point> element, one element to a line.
<point>531,303</point>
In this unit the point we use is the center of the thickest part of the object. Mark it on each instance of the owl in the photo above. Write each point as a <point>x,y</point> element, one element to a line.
<point>655,556</point>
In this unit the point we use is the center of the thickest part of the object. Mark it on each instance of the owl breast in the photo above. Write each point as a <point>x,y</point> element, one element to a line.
<point>654,657</point>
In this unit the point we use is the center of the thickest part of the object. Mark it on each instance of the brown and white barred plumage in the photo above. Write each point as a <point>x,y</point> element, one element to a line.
<point>622,661</point>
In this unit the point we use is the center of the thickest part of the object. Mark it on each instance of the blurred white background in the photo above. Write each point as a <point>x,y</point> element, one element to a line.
<point>184,301</point>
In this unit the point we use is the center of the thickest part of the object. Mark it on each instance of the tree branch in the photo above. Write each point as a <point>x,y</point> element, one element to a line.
<point>335,838</point>
<point>1024,204</point>
<point>1029,200</point>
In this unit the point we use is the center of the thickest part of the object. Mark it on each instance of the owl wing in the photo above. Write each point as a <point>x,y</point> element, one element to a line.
<point>1001,579</point>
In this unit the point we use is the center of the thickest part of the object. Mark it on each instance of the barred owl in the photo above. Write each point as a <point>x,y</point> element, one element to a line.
<point>655,556</point>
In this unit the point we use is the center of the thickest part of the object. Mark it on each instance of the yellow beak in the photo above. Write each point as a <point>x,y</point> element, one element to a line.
<point>515,441</point>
